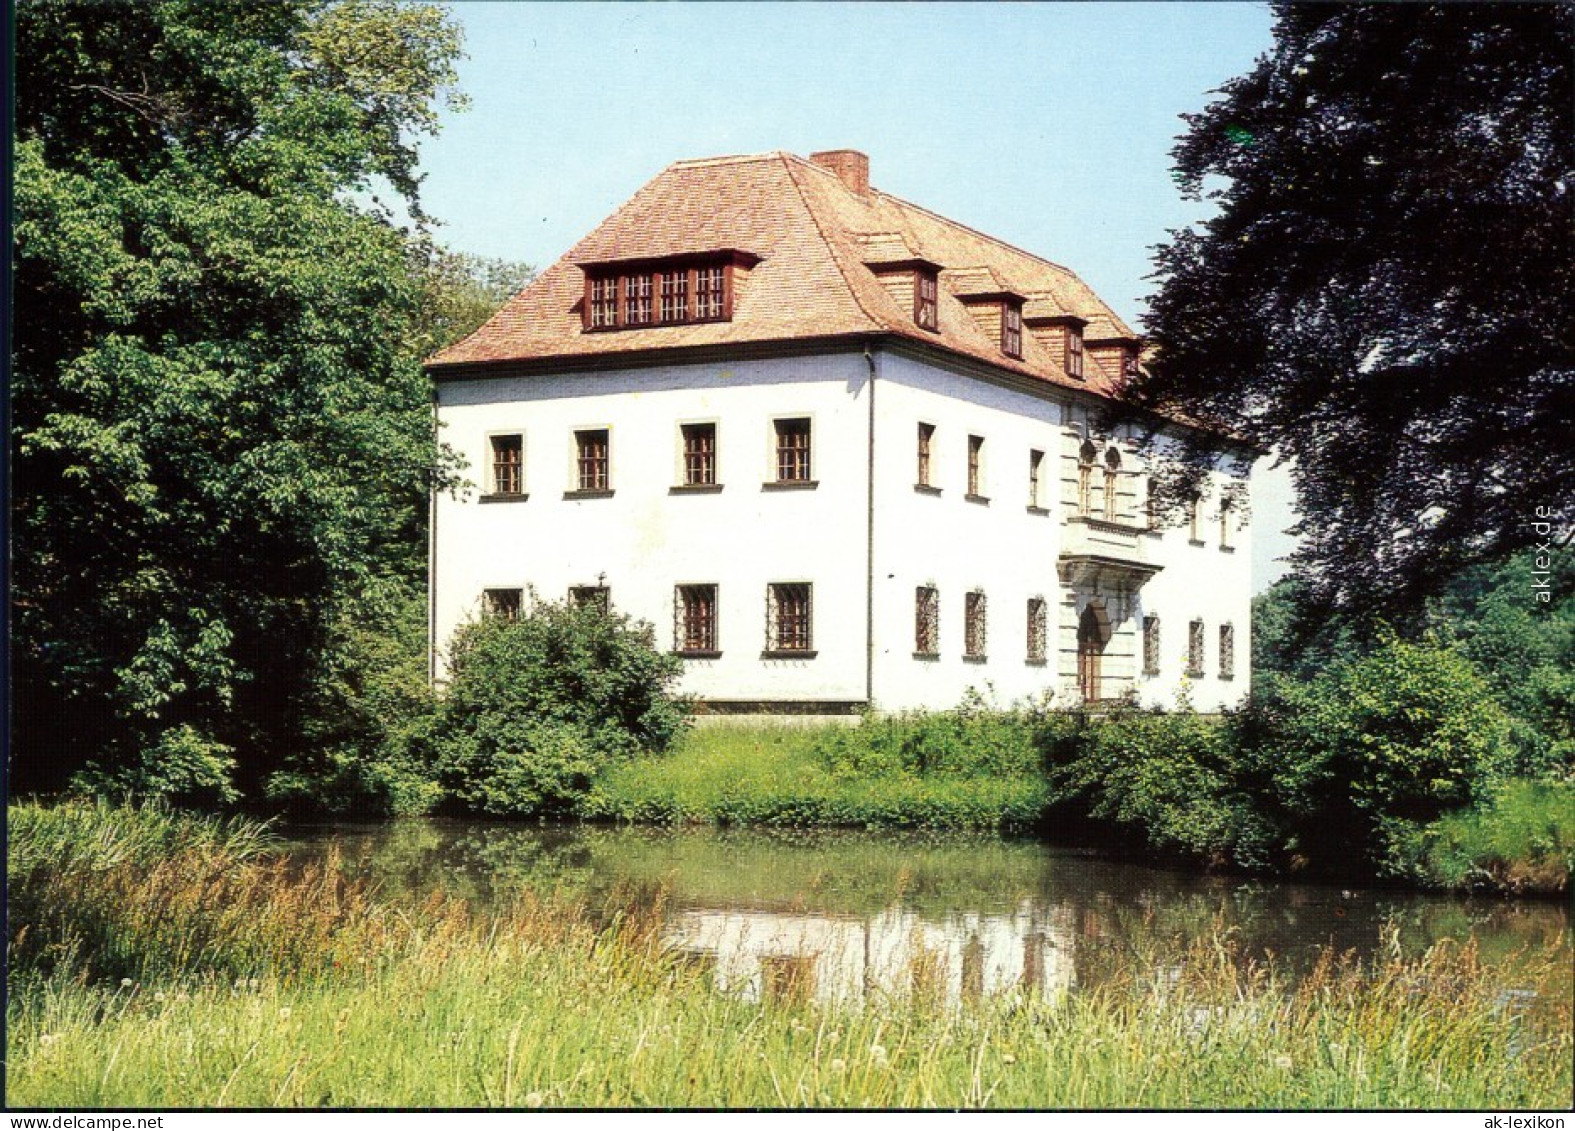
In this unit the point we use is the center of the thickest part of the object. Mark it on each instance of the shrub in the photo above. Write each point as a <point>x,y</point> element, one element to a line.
<point>537,707</point>
<point>1175,782</point>
<point>183,767</point>
<point>1380,745</point>
<point>1521,840</point>
<point>972,740</point>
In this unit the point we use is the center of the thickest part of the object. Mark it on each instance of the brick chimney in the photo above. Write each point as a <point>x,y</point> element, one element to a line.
<point>851,166</point>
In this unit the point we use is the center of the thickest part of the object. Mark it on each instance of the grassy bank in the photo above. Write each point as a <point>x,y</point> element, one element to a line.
<point>787,776</point>
<point>309,1000</point>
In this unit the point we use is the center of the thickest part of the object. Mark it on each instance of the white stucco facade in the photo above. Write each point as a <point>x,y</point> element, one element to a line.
<point>862,533</point>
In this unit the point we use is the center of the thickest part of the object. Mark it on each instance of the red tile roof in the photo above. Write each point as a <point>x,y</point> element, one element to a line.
<point>814,236</point>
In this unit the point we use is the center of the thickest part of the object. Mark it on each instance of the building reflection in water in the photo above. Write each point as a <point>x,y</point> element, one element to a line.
<point>762,955</point>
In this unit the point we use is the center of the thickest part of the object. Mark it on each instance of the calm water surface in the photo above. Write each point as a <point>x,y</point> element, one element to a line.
<point>845,915</point>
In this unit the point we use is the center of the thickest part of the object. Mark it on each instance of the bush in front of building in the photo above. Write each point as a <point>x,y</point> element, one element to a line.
<point>538,706</point>
<point>972,740</point>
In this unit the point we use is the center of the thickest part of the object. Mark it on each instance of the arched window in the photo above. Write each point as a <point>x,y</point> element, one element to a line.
<point>1085,477</point>
<point>1111,480</point>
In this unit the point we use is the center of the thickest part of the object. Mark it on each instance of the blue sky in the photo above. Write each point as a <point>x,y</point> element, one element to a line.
<point>1046,125</point>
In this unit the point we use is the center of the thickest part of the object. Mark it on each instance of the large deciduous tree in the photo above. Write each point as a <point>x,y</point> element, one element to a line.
<point>221,432</point>
<point>1386,294</point>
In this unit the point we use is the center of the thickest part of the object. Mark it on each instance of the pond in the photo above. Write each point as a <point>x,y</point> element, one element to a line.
<point>847,915</point>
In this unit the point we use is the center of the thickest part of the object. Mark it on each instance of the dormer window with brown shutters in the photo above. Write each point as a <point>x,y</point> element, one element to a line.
<point>1116,355</point>
<point>632,294</point>
<point>1012,329</point>
<point>912,281</point>
<point>1074,352</point>
<point>926,300</point>
<point>995,308</point>
<point>1059,335</point>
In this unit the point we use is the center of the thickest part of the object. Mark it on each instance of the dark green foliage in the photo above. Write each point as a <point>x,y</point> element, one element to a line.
<point>1383,297</point>
<point>1524,646</point>
<point>364,749</point>
<point>1175,783</point>
<point>1521,840</point>
<point>537,707</point>
<point>222,438</point>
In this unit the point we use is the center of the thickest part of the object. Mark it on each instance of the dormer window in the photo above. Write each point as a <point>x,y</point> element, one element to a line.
<point>1074,352</point>
<point>926,291</point>
<point>1012,329</point>
<point>665,292</point>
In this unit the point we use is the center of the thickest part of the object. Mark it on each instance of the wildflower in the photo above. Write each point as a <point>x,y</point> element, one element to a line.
<point>158,995</point>
<point>879,1053</point>
<point>1285,1062</point>
<point>838,1065</point>
<point>534,1099</point>
<point>252,985</point>
<point>125,983</point>
<point>284,1013</point>
<point>46,1039</point>
<point>1008,1059</point>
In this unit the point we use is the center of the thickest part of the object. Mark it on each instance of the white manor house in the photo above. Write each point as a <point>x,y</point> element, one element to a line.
<point>840,451</point>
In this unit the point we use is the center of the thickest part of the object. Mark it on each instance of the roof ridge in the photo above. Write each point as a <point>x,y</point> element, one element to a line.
<point>820,230</point>
<point>727,159</point>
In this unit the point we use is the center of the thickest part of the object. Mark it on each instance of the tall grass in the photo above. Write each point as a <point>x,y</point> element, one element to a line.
<point>1522,840</point>
<point>807,776</point>
<point>547,1004</point>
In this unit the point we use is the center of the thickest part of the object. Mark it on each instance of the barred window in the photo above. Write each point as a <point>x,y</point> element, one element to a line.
<point>595,596</point>
<point>925,293</point>
<point>675,296</point>
<point>1227,651</point>
<point>592,459</point>
<point>637,300</point>
<point>1150,645</point>
<point>507,465</point>
<point>694,619</point>
<point>788,617</point>
<point>793,450</point>
<point>974,634</point>
<point>926,439</point>
<point>1037,629</point>
<point>1195,649</point>
<point>699,454</point>
<point>1036,461</point>
<point>504,603</point>
<point>975,464</point>
<point>1012,329</point>
<point>927,621</point>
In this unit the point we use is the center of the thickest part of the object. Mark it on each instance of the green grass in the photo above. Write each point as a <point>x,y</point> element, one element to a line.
<point>546,1003</point>
<point>783,776</point>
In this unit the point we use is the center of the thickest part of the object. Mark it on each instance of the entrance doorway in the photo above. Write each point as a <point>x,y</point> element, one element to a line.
<point>1093,632</point>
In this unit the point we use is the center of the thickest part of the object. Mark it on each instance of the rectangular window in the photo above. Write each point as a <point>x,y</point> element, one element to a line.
<point>1151,506</point>
<point>1012,330</point>
<point>675,296</point>
<point>694,630</point>
<point>1150,645</point>
<point>637,300</point>
<point>709,298</point>
<point>926,290</point>
<point>1227,651</point>
<point>503,603</point>
<point>788,618</point>
<point>1036,461</point>
<point>592,459</point>
<point>1038,627</point>
<point>1225,517</point>
<point>699,455</point>
<point>604,302</point>
<point>926,621</point>
<point>508,465</point>
<point>793,451</point>
<point>1195,649</point>
<point>926,440</point>
<point>975,465</point>
<point>1194,506</point>
<point>974,635</point>
<point>1074,352</point>
<point>596,596</point>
